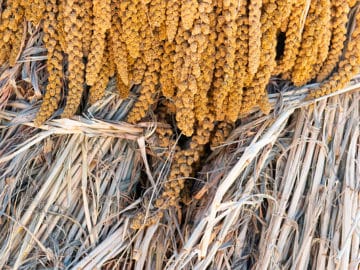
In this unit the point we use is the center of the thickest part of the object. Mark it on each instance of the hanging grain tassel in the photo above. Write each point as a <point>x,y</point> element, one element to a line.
<point>242,77</point>
<point>302,71</point>
<point>206,39</point>
<point>185,81</point>
<point>11,32</point>
<point>118,45</point>
<point>352,3</point>
<point>102,22</point>
<point>189,10</point>
<point>157,13</point>
<point>293,37</point>
<point>254,35</point>
<point>34,10</point>
<point>172,18</point>
<point>167,70</point>
<point>349,66</point>
<point>131,25</point>
<point>218,91</point>
<point>151,78</point>
<point>97,91</point>
<point>323,34</point>
<point>53,66</point>
<point>74,49</point>
<point>340,10</point>
<point>256,93</point>
<point>88,25</point>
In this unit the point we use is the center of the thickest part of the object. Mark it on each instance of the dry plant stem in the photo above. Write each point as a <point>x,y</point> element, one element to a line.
<point>231,215</point>
<point>79,173</point>
<point>350,219</point>
<point>144,246</point>
<point>84,180</point>
<point>321,165</point>
<point>37,200</point>
<point>103,250</point>
<point>249,154</point>
<point>332,215</point>
<point>267,245</point>
<point>315,202</point>
<point>301,173</point>
<point>37,225</point>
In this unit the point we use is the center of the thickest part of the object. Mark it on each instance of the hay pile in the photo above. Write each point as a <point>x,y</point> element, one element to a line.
<point>281,192</point>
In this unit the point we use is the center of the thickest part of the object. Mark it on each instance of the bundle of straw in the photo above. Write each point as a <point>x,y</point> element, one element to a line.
<point>282,191</point>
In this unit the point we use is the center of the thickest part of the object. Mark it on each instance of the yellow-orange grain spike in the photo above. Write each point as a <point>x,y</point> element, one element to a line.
<point>254,35</point>
<point>147,95</point>
<point>5,33</point>
<point>131,24</point>
<point>241,63</point>
<point>352,3</point>
<point>16,42</point>
<point>138,69</point>
<point>188,12</point>
<point>190,85</point>
<point>340,10</point>
<point>88,25</point>
<point>151,78</point>
<point>102,22</point>
<point>118,45</point>
<point>74,49</point>
<point>230,14</point>
<point>97,91</point>
<point>157,11</point>
<point>301,72</point>
<point>11,29</point>
<point>206,39</point>
<point>61,25</point>
<point>288,8</point>
<point>323,36</point>
<point>167,70</point>
<point>285,8</point>
<point>172,18</point>
<point>53,65</point>
<point>222,131</point>
<point>293,37</point>
<point>112,66</point>
<point>218,91</point>
<point>185,82</point>
<point>34,10</point>
<point>122,88</point>
<point>348,67</point>
<point>256,93</point>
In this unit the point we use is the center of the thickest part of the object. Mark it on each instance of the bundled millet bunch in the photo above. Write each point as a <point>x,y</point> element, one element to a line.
<point>211,59</point>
